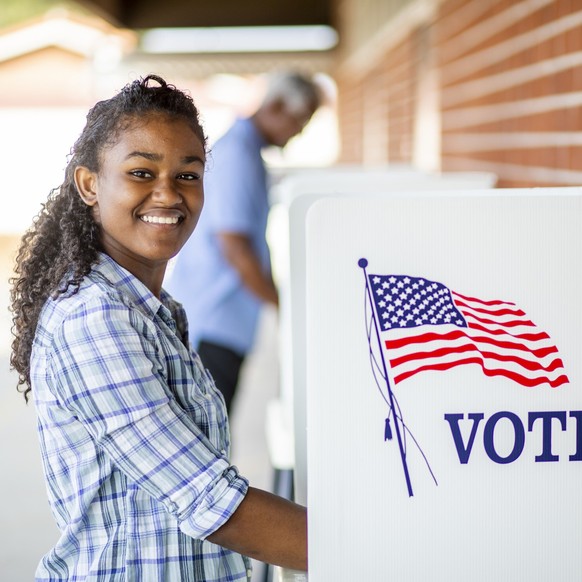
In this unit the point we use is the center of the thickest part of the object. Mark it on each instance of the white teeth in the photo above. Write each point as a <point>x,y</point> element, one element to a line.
<point>160,219</point>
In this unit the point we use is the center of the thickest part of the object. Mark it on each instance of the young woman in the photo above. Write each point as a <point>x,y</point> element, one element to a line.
<point>134,437</point>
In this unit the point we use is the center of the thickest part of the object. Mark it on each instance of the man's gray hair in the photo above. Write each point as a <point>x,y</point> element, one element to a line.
<point>296,90</point>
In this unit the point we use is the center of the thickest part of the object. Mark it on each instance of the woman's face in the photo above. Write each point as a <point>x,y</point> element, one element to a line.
<point>148,194</point>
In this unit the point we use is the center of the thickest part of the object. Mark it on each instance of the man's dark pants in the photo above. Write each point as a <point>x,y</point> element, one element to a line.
<point>224,365</point>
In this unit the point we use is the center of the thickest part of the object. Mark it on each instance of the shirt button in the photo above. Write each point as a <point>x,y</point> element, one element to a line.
<point>249,574</point>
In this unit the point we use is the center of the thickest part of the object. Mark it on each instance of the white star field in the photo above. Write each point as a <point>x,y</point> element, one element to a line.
<point>403,301</point>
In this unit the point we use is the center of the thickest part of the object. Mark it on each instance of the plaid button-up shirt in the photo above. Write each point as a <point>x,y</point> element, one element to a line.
<point>134,439</point>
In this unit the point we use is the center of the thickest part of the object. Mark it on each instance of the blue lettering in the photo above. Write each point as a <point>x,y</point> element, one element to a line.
<point>546,417</point>
<point>463,451</point>
<point>577,414</point>
<point>519,437</point>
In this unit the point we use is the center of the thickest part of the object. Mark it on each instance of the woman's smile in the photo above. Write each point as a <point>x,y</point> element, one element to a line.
<point>160,219</point>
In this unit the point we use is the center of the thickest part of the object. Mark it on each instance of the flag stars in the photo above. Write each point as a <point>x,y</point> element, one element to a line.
<point>406,302</point>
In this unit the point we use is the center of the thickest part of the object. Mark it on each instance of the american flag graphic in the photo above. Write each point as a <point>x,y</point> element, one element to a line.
<point>424,325</point>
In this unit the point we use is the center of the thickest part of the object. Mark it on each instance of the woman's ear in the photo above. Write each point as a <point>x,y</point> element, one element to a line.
<point>86,182</point>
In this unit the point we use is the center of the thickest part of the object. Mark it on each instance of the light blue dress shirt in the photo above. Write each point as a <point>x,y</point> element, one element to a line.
<point>134,439</point>
<point>219,308</point>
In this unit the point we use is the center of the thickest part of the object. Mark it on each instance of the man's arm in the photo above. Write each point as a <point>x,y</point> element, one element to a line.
<point>239,252</point>
<point>267,528</point>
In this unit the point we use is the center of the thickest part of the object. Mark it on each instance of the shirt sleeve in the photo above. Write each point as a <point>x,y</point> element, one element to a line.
<point>108,369</point>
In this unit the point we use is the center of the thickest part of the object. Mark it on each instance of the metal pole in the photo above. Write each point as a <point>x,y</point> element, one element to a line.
<point>363,263</point>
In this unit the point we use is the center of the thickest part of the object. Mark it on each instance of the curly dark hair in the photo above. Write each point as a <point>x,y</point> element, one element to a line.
<point>61,246</point>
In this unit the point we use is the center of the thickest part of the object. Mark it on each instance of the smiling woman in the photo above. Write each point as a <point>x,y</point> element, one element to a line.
<point>162,195</point>
<point>104,351</point>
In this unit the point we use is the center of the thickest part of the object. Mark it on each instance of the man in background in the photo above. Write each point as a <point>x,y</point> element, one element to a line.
<point>222,276</point>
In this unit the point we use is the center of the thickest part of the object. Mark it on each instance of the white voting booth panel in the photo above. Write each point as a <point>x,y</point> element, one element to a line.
<point>476,475</point>
<point>299,192</point>
<point>377,179</point>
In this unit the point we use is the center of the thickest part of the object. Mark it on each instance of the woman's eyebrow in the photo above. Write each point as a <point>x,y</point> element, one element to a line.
<point>158,157</point>
<point>191,159</point>
<point>147,155</point>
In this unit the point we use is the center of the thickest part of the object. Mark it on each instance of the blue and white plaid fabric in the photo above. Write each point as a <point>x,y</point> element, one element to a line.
<point>134,439</point>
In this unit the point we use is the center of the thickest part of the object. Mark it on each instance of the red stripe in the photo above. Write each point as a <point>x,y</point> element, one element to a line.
<point>532,337</point>
<point>514,323</point>
<point>505,311</point>
<point>475,300</point>
<point>528,382</point>
<point>441,352</point>
<point>458,334</point>
<point>423,338</point>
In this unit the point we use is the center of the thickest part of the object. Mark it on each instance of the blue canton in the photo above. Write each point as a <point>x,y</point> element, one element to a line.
<point>404,302</point>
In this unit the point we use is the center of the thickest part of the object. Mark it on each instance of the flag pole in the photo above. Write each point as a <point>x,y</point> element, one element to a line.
<point>363,263</point>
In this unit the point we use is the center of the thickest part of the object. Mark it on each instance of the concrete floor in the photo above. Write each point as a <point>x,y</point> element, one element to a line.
<point>27,529</point>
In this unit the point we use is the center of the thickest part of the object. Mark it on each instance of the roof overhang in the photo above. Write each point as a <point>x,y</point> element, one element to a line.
<point>143,14</point>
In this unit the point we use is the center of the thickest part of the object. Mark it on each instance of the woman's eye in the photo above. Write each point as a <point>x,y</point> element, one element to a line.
<point>141,173</point>
<point>189,176</point>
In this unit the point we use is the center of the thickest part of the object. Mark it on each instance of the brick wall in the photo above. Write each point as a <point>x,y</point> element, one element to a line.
<point>508,90</point>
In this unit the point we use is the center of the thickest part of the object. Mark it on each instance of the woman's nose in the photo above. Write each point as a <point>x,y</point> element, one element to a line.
<point>167,189</point>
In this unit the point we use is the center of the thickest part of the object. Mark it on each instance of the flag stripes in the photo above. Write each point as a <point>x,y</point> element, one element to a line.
<point>426,326</point>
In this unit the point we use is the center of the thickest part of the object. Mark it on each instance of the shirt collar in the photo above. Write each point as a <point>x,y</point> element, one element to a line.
<point>130,286</point>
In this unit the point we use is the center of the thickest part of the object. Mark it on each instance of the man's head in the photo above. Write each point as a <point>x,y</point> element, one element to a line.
<point>290,101</point>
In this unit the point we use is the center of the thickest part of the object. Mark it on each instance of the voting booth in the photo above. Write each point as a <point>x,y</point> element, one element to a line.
<point>444,386</point>
<point>286,418</point>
